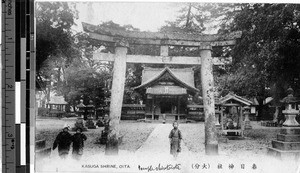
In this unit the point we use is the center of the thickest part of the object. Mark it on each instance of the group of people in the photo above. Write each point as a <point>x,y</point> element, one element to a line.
<point>64,140</point>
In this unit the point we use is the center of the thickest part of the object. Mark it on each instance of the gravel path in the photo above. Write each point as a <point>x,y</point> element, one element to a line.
<point>158,142</point>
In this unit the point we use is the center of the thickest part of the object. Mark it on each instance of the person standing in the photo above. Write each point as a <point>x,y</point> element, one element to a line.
<point>175,140</point>
<point>78,143</point>
<point>63,141</point>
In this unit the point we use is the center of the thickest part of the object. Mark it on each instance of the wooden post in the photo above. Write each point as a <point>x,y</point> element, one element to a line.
<point>153,107</point>
<point>178,107</point>
<point>211,140</point>
<point>242,121</point>
<point>117,92</point>
<point>222,118</point>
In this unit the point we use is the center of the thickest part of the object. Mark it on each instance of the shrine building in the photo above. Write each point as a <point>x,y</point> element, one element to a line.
<point>167,91</point>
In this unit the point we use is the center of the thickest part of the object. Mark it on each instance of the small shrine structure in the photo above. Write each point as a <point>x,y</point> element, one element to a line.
<point>57,106</point>
<point>232,110</point>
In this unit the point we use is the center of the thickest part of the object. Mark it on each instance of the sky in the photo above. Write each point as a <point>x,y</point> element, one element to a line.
<point>145,16</point>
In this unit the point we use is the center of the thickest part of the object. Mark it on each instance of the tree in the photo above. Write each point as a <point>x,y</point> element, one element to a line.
<point>266,59</point>
<point>54,39</point>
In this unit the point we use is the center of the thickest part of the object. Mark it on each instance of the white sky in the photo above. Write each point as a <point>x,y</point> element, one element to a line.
<point>145,16</point>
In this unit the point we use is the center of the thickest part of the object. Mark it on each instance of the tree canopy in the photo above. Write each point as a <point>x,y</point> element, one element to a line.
<point>265,60</point>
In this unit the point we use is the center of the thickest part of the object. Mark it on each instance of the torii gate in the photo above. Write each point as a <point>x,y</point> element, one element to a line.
<point>122,39</point>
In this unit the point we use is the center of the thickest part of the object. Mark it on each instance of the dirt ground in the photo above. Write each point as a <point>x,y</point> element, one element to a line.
<point>134,134</point>
<point>255,143</point>
<point>248,151</point>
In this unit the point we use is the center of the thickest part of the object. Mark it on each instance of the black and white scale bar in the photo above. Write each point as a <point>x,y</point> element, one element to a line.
<point>21,85</point>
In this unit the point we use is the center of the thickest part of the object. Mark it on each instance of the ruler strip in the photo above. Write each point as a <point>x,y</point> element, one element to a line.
<point>8,89</point>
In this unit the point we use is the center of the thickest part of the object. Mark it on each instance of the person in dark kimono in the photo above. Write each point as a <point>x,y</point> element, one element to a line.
<point>175,139</point>
<point>78,143</point>
<point>63,141</point>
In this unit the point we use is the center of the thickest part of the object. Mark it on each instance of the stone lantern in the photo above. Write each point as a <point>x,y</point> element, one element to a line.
<point>81,113</point>
<point>247,120</point>
<point>90,111</point>
<point>90,108</point>
<point>290,111</point>
<point>81,109</point>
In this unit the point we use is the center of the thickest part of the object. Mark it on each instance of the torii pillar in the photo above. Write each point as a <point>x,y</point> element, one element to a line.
<point>117,93</point>
<point>207,80</point>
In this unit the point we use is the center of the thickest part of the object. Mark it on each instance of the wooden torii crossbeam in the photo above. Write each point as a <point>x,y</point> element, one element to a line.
<point>148,59</point>
<point>123,39</point>
<point>156,38</point>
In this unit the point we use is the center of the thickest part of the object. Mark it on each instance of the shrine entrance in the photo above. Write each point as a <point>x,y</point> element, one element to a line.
<point>167,105</point>
<point>122,41</point>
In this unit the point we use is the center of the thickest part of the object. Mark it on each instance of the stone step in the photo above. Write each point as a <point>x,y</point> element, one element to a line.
<point>288,138</point>
<point>222,139</point>
<point>285,145</point>
<point>234,137</point>
<point>290,130</point>
<point>284,155</point>
<point>43,152</point>
<point>40,144</point>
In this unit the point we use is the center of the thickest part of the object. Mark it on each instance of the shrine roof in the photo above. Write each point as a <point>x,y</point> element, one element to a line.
<point>184,77</point>
<point>232,96</point>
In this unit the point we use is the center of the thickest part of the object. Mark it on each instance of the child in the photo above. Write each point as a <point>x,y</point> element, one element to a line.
<point>63,141</point>
<point>78,142</point>
<point>175,139</point>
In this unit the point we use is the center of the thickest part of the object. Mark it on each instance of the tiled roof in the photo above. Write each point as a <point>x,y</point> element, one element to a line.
<point>184,76</point>
<point>231,96</point>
